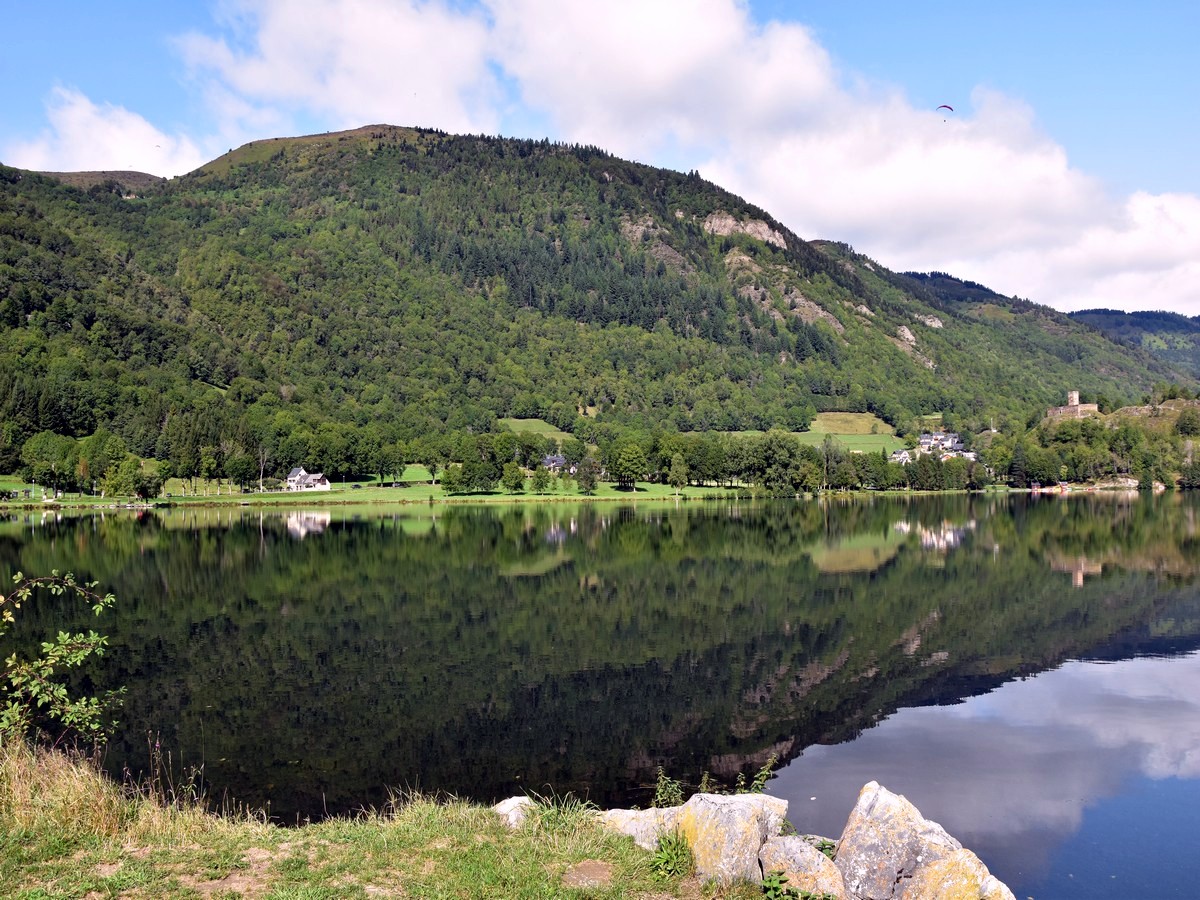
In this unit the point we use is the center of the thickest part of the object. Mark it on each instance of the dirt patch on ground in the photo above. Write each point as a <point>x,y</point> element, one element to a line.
<point>588,874</point>
<point>250,881</point>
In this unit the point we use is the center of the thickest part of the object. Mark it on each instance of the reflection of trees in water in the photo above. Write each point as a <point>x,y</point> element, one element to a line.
<point>580,646</point>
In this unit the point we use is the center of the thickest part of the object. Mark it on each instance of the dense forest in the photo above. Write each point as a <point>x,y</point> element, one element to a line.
<point>298,296</point>
<point>1170,336</point>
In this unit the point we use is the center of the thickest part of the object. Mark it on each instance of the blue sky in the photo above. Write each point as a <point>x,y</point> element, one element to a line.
<point>1066,173</point>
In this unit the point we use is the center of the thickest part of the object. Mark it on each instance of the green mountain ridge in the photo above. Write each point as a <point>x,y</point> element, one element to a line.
<point>418,282</point>
<point>1170,336</point>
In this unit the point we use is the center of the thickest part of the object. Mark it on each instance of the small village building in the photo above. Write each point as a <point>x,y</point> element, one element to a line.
<point>942,444</point>
<point>556,464</point>
<point>300,480</point>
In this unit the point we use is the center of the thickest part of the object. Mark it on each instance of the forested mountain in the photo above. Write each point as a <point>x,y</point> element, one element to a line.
<point>419,283</point>
<point>1170,336</point>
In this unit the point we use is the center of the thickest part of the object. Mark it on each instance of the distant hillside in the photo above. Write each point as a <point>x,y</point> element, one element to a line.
<point>410,282</point>
<point>125,181</point>
<point>1170,336</point>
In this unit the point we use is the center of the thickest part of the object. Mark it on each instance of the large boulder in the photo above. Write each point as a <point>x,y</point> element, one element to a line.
<point>804,866</point>
<point>645,826</point>
<point>726,833</point>
<point>889,851</point>
<point>959,876</point>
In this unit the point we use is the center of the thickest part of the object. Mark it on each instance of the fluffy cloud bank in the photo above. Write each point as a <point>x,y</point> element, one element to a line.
<point>761,109</point>
<point>85,136</point>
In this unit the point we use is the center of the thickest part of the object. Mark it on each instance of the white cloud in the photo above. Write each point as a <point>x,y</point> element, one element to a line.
<point>353,62</point>
<point>762,110</point>
<point>85,136</point>
<point>982,193</point>
<point>633,77</point>
<point>1146,255</point>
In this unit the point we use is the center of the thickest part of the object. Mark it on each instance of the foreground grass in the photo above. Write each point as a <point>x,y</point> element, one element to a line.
<point>68,831</point>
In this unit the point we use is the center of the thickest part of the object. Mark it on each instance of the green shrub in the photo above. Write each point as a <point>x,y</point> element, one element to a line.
<point>673,858</point>
<point>29,694</point>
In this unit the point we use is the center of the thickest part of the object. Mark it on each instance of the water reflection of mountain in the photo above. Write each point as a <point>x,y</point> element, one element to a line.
<point>488,651</point>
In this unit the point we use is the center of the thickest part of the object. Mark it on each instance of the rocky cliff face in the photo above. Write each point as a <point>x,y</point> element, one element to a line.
<point>724,224</point>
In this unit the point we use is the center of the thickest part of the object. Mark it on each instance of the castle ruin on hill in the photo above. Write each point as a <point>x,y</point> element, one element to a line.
<point>1074,409</point>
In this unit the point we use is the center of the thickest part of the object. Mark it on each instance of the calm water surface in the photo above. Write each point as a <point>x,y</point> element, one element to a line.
<point>1023,669</point>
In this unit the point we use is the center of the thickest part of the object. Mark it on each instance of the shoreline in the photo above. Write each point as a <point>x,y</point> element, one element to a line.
<point>343,497</point>
<point>308,502</point>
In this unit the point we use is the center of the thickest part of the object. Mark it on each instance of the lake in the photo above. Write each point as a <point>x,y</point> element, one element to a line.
<point>1023,669</point>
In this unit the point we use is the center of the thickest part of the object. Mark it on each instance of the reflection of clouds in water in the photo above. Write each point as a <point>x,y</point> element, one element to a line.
<point>1011,773</point>
<point>1146,706</point>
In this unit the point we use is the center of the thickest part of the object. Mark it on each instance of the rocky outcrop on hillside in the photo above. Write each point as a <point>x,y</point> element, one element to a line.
<point>887,851</point>
<point>723,223</point>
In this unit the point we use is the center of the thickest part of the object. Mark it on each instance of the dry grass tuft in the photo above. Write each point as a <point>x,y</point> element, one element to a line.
<point>51,791</point>
<point>66,794</point>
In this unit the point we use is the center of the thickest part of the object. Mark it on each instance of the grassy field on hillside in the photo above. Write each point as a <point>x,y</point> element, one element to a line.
<point>842,424</point>
<point>861,443</point>
<point>862,432</point>
<point>534,426</point>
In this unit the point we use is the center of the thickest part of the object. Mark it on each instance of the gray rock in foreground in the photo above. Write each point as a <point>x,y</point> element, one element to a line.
<point>725,831</point>
<point>804,866</point>
<point>888,850</point>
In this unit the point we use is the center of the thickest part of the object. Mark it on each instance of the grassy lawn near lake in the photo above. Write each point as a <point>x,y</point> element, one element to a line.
<point>68,831</point>
<point>9,483</point>
<point>415,487</point>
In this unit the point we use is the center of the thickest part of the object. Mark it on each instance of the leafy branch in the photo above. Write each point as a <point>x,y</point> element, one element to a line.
<point>29,691</point>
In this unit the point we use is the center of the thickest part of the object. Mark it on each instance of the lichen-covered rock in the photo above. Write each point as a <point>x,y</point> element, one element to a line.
<point>513,810</point>
<point>885,841</point>
<point>804,866</point>
<point>887,851</point>
<point>645,826</point>
<point>959,876</point>
<point>727,832</point>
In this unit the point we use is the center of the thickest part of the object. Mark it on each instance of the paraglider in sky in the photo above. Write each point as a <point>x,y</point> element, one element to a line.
<point>946,106</point>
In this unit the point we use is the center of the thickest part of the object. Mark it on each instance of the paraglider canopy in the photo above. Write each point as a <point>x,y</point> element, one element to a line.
<point>946,106</point>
